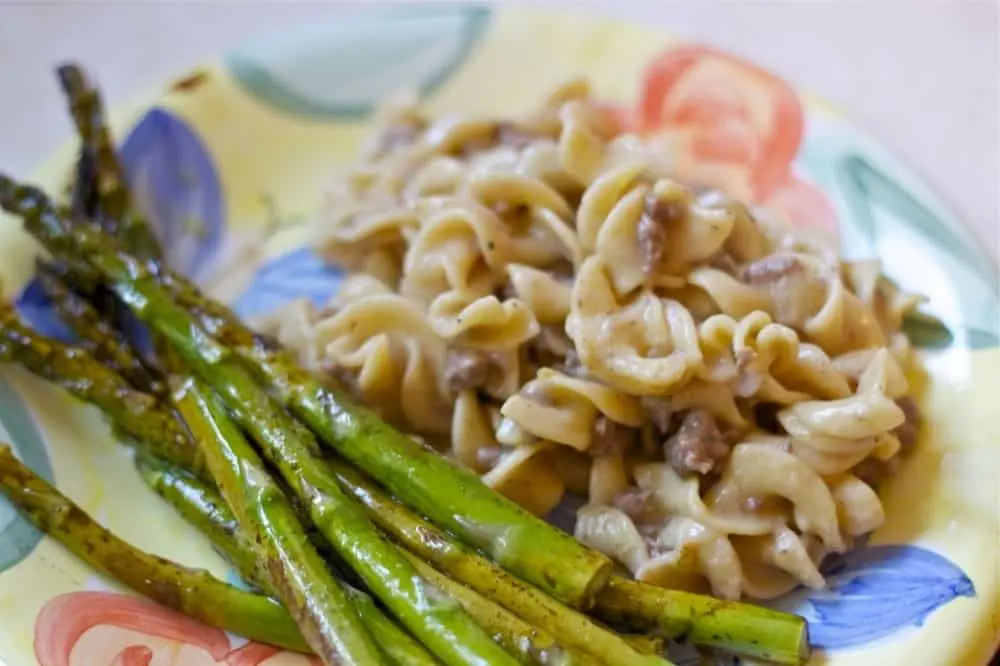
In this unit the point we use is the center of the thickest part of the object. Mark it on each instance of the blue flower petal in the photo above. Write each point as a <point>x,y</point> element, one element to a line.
<point>234,578</point>
<point>175,185</point>
<point>35,308</point>
<point>342,69</point>
<point>874,592</point>
<point>298,274</point>
<point>18,537</point>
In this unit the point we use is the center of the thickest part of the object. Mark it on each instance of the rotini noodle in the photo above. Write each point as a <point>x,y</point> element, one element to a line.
<point>563,409</point>
<point>546,297</point>
<point>394,357</point>
<point>471,432</point>
<point>527,476</point>
<point>647,346</point>
<point>482,323</point>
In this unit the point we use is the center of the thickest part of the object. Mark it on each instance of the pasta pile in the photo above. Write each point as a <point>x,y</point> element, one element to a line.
<point>539,298</point>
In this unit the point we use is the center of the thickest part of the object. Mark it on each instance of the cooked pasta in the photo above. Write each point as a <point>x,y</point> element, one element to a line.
<point>541,299</point>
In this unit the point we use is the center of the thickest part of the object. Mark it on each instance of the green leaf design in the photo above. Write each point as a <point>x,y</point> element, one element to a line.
<point>893,221</point>
<point>875,186</point>
<point>342,69</point>
<point>926,331</point>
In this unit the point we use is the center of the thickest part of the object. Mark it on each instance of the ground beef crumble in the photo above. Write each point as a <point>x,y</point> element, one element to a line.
<point>657,217</point>
<point>609,437</point>
<point>772,268</point>
<point>698,447</point>
<point>467,369</point>
<point>641,506</point>
<point>910,430</point>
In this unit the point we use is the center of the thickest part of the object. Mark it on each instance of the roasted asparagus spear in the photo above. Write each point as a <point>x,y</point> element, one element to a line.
<point>294,569</point>
<point>104,342</point>
<point>191,591</point>
<point>470,568</point>
<point>103,180</point>
<point>742,629</point>
<point>202,506</point>
<point>132,412</point>
<point>530,644</point>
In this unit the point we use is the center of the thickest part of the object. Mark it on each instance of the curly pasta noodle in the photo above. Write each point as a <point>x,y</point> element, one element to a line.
<point>539,298</point>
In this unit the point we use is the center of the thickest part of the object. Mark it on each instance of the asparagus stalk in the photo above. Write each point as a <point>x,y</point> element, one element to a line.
<point>529,644</point>
<point>645,643</point>
<point>744,629</point>
<point>86,199</point>
<point>136,414</point>
<point>99,338</point>
<point>443,627</point>
<point>574,629</point>
<point>102,193</point>
<point>295,570</point>
<point>201,505</point>
<point>440,625</point>
<point>451,496</point>
<point>98,188</point>
<point>83,189</point>
<point>193,592</point>
<point>399,646</point>
<point>109,185</point>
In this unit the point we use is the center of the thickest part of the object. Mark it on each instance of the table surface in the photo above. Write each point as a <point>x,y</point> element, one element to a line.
<point>921,75</point>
